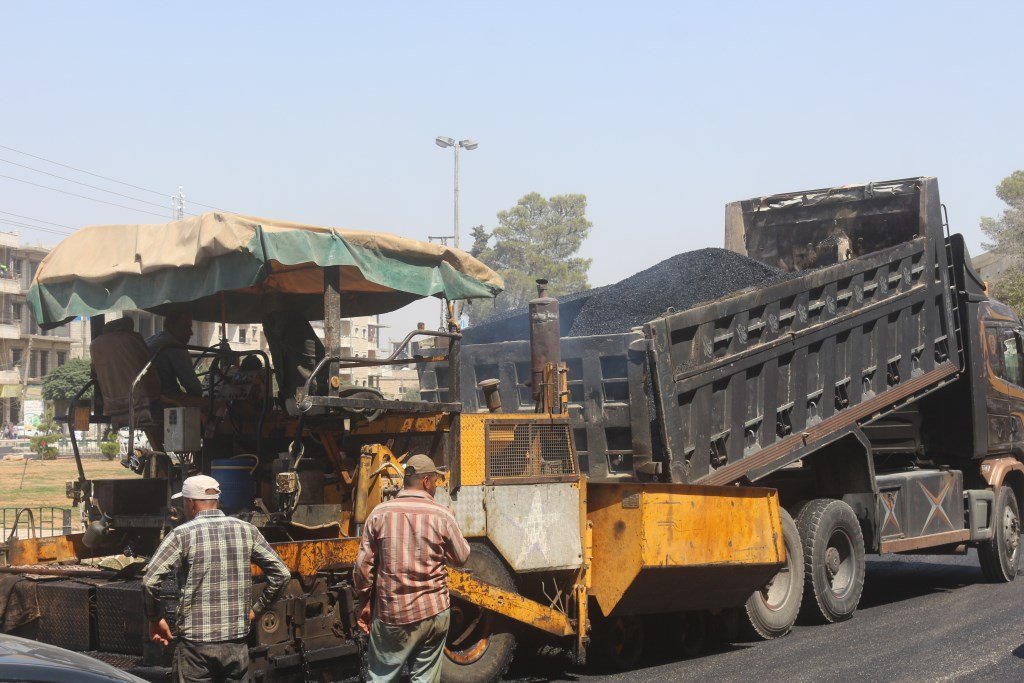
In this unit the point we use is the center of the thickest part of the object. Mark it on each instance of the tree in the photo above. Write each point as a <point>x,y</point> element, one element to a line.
<point>536,238</point>
<point>66,380</point>
<point>1006,238</point>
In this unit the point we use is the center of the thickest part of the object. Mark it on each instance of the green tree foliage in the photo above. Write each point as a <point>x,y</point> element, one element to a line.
<point>536,238</point>
<point>66,380</point>
<point>1006,237</point>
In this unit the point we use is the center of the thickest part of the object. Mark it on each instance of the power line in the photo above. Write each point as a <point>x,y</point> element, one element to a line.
<point>76,182</point>
<point>37,220</point>
<point>16,224</point>
<point>103,177</point>
<point>82,196</point>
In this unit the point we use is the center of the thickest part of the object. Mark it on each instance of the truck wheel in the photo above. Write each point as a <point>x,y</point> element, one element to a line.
<point>833,546</point>
<point>772,611</point>
<point>480,643</point>
<point>617,643</point>
<point>1000,556</point>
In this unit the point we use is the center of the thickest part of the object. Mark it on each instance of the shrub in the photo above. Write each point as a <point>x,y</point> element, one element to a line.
<point>45,442</point>
<point>110,447</point>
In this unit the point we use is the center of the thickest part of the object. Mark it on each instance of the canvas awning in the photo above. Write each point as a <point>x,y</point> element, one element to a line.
<point>228,267</point>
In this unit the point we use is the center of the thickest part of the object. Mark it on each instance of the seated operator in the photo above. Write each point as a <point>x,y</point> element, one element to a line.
<point>178,381</point>
<point>295,350</point>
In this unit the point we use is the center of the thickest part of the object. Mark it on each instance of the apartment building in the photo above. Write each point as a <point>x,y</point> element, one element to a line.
<point>27,353</point>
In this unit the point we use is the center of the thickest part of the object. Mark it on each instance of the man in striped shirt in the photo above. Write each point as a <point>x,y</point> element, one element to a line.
<point>401,579</point>
<point>210,556</point>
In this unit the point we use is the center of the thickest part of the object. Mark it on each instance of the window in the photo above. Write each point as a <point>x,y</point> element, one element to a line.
<point>241,335</point>
<point>44,363</point>
<point>16,312</point>
<point>401,389</point>
<point>61,358</point>
<point>1013,368</point>
<point>346,328</point>
<point>16,357</point>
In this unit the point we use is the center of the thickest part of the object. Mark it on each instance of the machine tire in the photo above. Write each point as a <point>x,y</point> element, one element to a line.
<point>833,548</point>
<point>617,643</point>
<point>693,633</point>
<point>772,611</point>
<point>1000,556</point>
<point>480,644</point>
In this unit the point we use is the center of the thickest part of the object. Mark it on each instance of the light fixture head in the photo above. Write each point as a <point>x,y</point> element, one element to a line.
<point>442,141</point>
<point>468,143</point>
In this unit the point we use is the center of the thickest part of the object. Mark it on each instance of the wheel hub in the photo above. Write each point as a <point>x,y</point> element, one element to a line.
<point>832,561</point>
<point>1011,533</point>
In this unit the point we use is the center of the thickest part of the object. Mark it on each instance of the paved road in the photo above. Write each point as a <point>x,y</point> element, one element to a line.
<point>921,618</point>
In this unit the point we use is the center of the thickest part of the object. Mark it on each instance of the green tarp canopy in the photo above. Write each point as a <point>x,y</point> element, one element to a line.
<point>231,268</point>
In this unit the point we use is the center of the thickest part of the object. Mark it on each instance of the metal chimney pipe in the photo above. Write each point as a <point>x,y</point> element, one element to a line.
<point>545,338</point>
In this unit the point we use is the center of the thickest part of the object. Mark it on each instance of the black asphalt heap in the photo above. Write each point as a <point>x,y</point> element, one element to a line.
<point>680,282</point>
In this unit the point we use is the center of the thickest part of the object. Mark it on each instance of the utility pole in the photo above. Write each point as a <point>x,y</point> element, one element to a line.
<point>469,144</point>
<point>178,204</point>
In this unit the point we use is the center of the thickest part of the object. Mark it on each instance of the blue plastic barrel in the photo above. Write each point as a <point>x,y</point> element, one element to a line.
<point>235,479</point>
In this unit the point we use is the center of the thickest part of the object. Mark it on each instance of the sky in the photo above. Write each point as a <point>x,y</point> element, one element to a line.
<point>659,112</point>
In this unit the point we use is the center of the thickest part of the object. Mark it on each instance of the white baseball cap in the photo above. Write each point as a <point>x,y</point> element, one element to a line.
<point>196,488</point>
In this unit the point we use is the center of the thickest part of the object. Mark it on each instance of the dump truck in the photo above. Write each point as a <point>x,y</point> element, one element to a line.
<point>877,387</point>
<point>551,556</point>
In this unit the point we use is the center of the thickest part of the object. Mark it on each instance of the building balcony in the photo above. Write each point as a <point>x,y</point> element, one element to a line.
<point>10,329</point>
<point>10,285</point>
<point>10,377</point>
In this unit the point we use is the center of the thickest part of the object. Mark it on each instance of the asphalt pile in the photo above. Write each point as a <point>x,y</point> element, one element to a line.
<point>680,282</point>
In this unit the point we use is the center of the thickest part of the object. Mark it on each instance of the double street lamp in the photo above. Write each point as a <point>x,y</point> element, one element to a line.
<point>467,144</point>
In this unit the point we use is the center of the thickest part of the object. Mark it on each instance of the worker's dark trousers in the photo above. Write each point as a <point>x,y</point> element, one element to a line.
<point>210,662</point>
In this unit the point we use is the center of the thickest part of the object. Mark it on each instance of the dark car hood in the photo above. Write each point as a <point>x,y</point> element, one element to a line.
<point>27,660</point>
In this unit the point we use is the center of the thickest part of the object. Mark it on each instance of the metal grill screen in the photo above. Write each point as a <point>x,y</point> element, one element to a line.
<point>529,451</point>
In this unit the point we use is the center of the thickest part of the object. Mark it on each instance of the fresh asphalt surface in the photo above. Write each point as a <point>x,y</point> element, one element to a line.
<point>921,618</point>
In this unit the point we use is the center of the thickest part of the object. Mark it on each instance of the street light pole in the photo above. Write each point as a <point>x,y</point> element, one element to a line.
<point>468,144</point>
<point>456,231</point>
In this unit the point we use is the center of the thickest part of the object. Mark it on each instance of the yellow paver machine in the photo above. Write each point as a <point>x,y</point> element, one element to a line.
<point>307,460</point>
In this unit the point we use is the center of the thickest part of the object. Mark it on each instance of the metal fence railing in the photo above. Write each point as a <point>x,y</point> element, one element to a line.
<point>34,522</point>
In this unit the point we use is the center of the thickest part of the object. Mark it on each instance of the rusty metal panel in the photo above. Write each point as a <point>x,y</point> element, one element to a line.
<point>669,547</point>
<point>535,526</point>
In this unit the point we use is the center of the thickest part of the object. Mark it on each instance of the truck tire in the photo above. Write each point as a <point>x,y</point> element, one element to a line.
<point>833,546</point>
<point>1000,556</point>
<point>772,611</point>
<point>480,643</point>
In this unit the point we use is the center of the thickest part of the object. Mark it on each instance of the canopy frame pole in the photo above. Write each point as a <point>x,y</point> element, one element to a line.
<point>332,324</point>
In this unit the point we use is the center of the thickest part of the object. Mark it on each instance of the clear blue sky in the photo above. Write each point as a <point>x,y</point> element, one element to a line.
<point>659,113</point>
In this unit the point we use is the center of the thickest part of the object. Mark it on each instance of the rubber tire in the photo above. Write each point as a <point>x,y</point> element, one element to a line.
<point>816,521</point>
<point>768,623</point>
<point>604,652</point>
<point>692,635</point>
<point>486,565</point>
<point>996,565</point>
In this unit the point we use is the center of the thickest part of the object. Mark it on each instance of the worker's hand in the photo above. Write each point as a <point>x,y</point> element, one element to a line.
<point>252,616</point>
<point>364,618</point>
<point>160,632</point>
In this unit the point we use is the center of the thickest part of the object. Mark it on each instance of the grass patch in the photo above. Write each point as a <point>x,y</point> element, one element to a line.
<point>37,483</point>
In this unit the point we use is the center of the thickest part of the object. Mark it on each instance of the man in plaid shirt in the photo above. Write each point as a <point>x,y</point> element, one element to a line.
<point>210,555</point>
<point>401,579</point>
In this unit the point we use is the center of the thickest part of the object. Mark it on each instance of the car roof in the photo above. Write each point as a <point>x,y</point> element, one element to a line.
<point>28,660</point>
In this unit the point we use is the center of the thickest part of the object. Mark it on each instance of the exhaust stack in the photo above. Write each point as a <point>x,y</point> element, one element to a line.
<point>545,346</point>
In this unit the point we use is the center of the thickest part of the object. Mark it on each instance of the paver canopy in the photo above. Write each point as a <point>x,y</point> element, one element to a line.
<point>232,268</point>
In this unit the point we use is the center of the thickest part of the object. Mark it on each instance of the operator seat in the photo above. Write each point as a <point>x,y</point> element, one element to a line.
<point>118,356</point>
